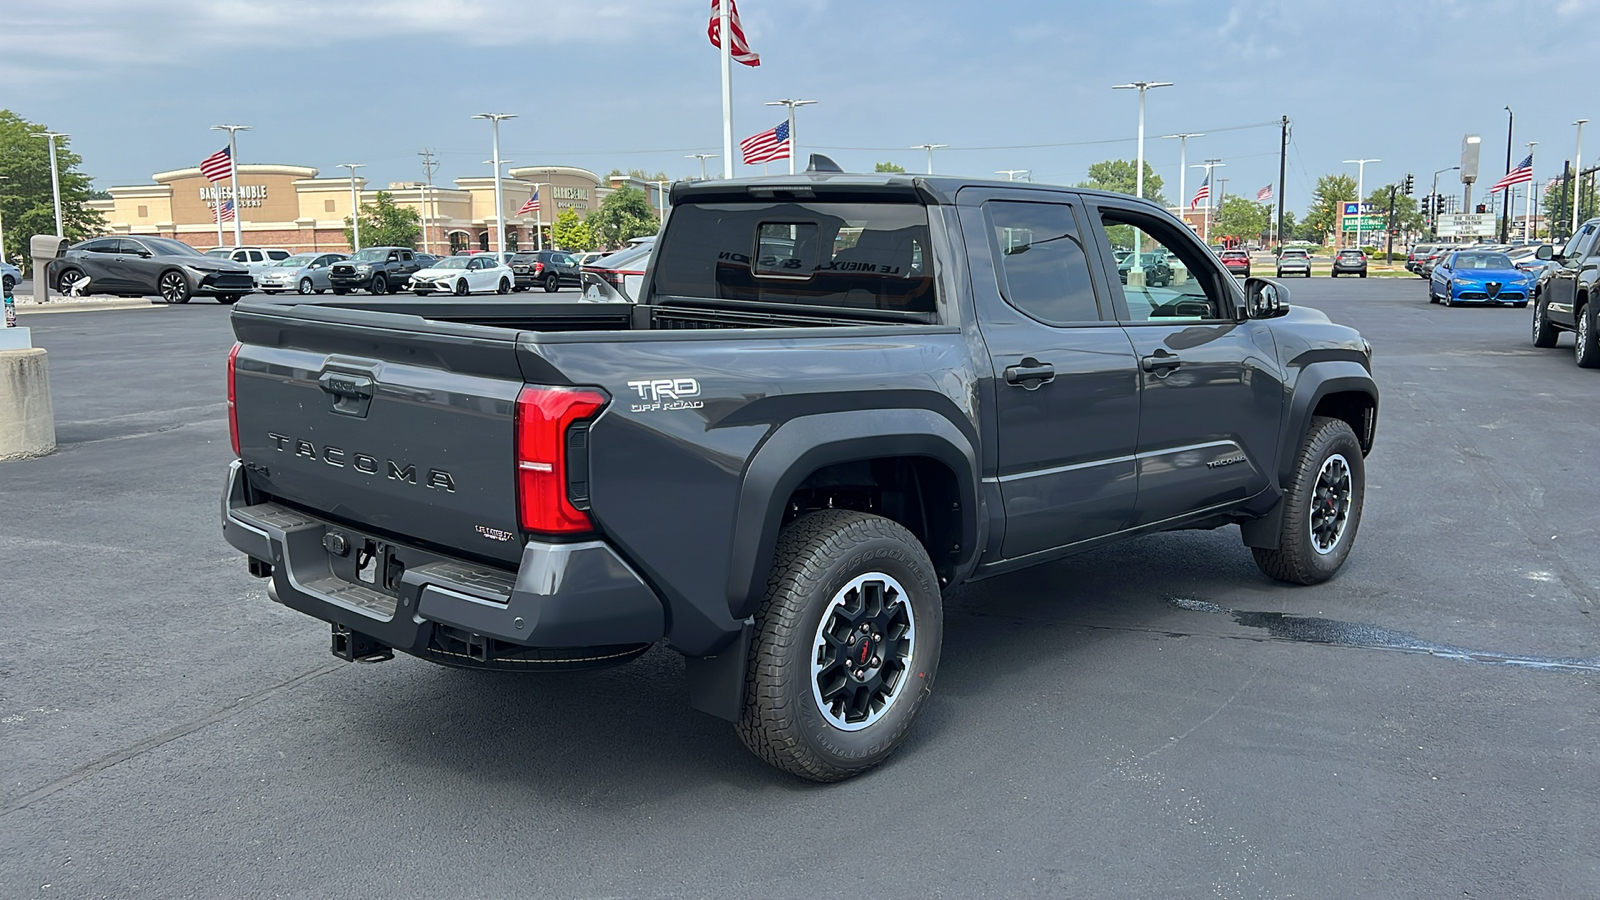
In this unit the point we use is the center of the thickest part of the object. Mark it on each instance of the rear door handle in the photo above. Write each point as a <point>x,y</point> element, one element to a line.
<point>1030,374</point>
<point>1161,362</point>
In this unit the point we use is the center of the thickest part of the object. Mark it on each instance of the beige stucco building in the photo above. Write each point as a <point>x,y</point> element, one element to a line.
<point>290,206</point>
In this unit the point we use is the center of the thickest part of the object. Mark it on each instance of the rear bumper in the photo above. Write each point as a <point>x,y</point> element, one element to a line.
<point>579,595</point>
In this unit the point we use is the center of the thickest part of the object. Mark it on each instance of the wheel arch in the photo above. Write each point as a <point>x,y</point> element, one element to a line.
<point>1339,389</point>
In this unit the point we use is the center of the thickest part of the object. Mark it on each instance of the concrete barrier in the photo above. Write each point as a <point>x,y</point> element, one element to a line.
<point>27,421</point>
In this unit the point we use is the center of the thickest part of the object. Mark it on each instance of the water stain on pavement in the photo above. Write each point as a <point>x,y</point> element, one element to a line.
<point>1314,630</point>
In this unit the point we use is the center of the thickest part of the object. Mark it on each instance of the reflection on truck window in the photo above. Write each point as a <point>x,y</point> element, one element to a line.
<point>1165,278</point>
<point>852,255</point>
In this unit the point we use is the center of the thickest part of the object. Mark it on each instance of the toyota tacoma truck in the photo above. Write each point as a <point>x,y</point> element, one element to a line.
<point>376,270</point>
<point>836,396</point>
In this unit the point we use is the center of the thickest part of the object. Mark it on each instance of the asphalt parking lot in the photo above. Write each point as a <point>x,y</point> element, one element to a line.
<point>1150,720</point>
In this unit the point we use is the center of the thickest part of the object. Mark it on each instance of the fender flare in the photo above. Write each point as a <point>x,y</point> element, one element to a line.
<point>805,444</point>
<point>1316,381</point>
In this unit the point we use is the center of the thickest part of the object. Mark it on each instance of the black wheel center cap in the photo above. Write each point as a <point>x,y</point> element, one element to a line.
<point>861,652</point>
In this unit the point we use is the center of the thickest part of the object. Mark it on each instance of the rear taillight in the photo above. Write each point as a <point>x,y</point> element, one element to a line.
<point>545,419</point>
<point>233,408</point>
<point>537,268</point>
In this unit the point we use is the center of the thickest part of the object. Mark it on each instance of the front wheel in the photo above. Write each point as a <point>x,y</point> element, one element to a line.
<point>845,648</point>
<point>173,287</point>
<point>340,292</point>
<point>1586,350</point>
<point>378,285</point>
<point>1321,507</point>
<point>305,286</point>
<point>461,288</point>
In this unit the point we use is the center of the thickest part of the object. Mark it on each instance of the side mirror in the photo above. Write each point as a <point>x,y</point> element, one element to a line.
<point>1544,252</point>
<point>1265,299</point>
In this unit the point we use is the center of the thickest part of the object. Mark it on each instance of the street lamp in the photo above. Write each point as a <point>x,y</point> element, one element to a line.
<point>791,104</point>
<point>930,148</point>
<point>1577,177</point>
<point>1182,138</point>
<point>1205,224</point>
<point>55,175</point>
<point>661,200</point>
<point>499,198</point>
<point>1361,176</point>
<point>1141,87</point>
<point>355,206</point>
<point>702,157</point>
<point>233,173</point>
<point>1432,195</point>
<point>1011,174</point>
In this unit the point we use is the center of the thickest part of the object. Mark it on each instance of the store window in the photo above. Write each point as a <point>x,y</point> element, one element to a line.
<point>458,241</point>
<point>144,212</point>
<point>511,242</point>
<point>327,206</point>
<point>483,241</point>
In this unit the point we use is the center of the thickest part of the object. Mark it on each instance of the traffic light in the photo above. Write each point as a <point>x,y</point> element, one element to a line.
<point>1482,208</point>
<point>1409,183</point>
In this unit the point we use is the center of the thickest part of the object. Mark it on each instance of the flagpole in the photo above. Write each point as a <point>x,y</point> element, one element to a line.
<point>1527,215</point>
<point>726,35</point>
<point>216,211</point>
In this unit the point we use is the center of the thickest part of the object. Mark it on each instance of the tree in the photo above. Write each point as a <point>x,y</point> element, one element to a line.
<point>1118,176</point>
<point>571,233</point>
<point>888,167</point>
<point>1323,217</point>
<point>385,225</point>
<point>1241,218</point>
<point>26,203</point>
<point>622,215</point>
<point>1288,225</point>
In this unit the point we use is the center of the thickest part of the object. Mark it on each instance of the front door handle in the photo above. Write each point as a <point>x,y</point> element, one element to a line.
<point>1030,374</point>
<point>1161,362</point>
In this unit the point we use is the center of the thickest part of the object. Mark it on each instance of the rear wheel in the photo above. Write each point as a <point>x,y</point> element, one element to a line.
<point>845,648</point>
<point>461,288</point>
<point>1321,508</point>
<point>68,279</point>
<point>173,287</point>
<point>505,286</point>
<point>1586,350</point>
<point>552,283</point>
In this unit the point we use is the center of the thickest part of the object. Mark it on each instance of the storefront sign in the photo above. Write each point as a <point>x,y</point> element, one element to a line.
<point>249,194</point>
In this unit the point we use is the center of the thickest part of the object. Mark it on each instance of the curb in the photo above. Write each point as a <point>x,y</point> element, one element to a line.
<point>85,306</point>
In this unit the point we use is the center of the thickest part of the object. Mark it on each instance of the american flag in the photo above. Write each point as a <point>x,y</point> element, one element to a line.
<point>1203,194</point>
<point>218,165</point>
<point>767,146</point>
<point>741,48</point>
<point>1264,194</point>
<point>532,205</point>
<point>225,211</point>
<point>1522,174</point>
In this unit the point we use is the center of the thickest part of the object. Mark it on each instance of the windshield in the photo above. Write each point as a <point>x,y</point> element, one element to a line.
<point>295,262</point>
<point>452,262</point>
<point>372,254</point>
<point>220,252</point>
<point>1482,261</point>
<point>170,247</point>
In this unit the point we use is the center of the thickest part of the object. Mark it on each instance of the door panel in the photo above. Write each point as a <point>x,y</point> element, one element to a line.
<point>1064,380</point>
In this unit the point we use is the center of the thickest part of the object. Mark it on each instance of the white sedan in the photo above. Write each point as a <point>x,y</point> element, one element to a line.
<point>463,275</point>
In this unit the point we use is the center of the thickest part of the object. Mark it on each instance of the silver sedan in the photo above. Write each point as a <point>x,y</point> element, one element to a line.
<point>305,273</point>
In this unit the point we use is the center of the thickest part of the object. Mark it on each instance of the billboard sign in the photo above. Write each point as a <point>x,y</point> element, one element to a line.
<point>1466,224</point>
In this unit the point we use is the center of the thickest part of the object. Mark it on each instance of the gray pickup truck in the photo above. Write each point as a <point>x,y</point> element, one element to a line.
<point>836,395</point>
<point>376,270</point>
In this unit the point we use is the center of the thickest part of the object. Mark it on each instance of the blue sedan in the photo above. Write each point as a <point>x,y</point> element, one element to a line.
<point>1481,277</point>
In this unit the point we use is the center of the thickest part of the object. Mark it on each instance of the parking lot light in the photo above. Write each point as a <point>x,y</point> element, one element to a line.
<point>791,104</point>
<point>55,174</point>
<point>930,148</point>
<point>1141,87</point>
<point>355,206</point>
<point>1361,200</point>
<point>702,157</point>
<point>499,200</point>
<point>1577,177</point>
<point>233,175</point>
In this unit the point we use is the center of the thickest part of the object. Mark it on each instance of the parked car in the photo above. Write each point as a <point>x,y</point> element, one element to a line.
<point>257,259</point>
<point>778,476</point>
<point>9,276</point>
<point>618,276</point>
<point>1237,262</point>
<point>463,275</point>
<point>1481,277</point>
<point>425,260</point>
<point>1415,256</point>
<point>1350,262</point>
<point>377,270</point>
<point>1567,292</point>
<point>304,273</point>
<point>1157,270</point>
<point>549,269</point>
<point>589,256</point>
<point>1294,261</point>
<point>146,266</point>
<point>1527,258</point>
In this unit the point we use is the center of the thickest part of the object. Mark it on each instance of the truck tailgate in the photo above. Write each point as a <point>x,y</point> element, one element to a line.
<point>401,425</point>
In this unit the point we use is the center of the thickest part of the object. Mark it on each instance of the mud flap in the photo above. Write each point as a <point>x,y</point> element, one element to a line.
<point>716,683</point>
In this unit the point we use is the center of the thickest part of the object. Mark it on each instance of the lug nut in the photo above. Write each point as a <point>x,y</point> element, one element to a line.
<point>876,662</point>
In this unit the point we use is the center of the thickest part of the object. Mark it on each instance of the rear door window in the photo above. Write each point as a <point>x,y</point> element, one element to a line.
<point>1042,264</point>
<point>810,253</point>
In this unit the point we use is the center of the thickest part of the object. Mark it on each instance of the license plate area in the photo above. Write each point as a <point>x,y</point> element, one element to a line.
<point>364,561</point>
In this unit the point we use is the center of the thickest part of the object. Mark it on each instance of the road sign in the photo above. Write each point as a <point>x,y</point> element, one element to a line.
<point>1368,223</point>
<point>1351,208</point>
<point>1466,225</point>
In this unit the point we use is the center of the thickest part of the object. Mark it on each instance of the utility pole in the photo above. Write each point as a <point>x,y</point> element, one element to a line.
<point>429,166</point>
<point>1283,159</point>
<point>1389,254</point>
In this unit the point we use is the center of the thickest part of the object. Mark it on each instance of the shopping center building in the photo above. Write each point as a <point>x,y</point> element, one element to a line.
<point>291,206</point>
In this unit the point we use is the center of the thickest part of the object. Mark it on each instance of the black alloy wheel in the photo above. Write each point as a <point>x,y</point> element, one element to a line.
<point>461,288</point>
<point>505,286</point>
<point>173,286</point>
<point>379,285</point>
<point>305,286</point>
<point>552,283</point>
<point>66,280</point>
<point>1586,350</point>
<point>8,283</point>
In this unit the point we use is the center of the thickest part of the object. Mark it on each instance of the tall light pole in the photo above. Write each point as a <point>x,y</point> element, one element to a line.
<point>1182,138</point>
<point>1205,224</point>
<point>1577,178</point>
<point>499,197</point>
<point>1361,197</point>
<point>1011,174</point>
<point>702,157</point>
<point>55,174</point>
<point>1141,87</point>
<point>355,206</point>
<point>661,200</point>
<point>791,104</point>
<point>1527,215</point>
<point>3,228</point>
<point>1433,195</point>
<point>930,148</point>
<point>233,174</point>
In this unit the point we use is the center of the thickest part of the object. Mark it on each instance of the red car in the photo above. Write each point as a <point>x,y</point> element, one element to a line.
<point>1237,262</point>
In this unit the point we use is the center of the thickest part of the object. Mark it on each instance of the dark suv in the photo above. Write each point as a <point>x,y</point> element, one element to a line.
<point>1350,262</point>
<point>549,269</point>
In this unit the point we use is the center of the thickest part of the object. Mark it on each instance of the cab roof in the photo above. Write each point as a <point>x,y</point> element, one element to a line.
<point>902,187</point>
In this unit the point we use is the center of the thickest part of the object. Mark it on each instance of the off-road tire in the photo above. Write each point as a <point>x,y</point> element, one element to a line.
<point>1296,560</point>
<point>1586,346</point>
<point>818,556</point>
<point>1545,335</point>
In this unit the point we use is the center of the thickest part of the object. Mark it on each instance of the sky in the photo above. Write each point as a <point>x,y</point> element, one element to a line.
<point>1007,84</point>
